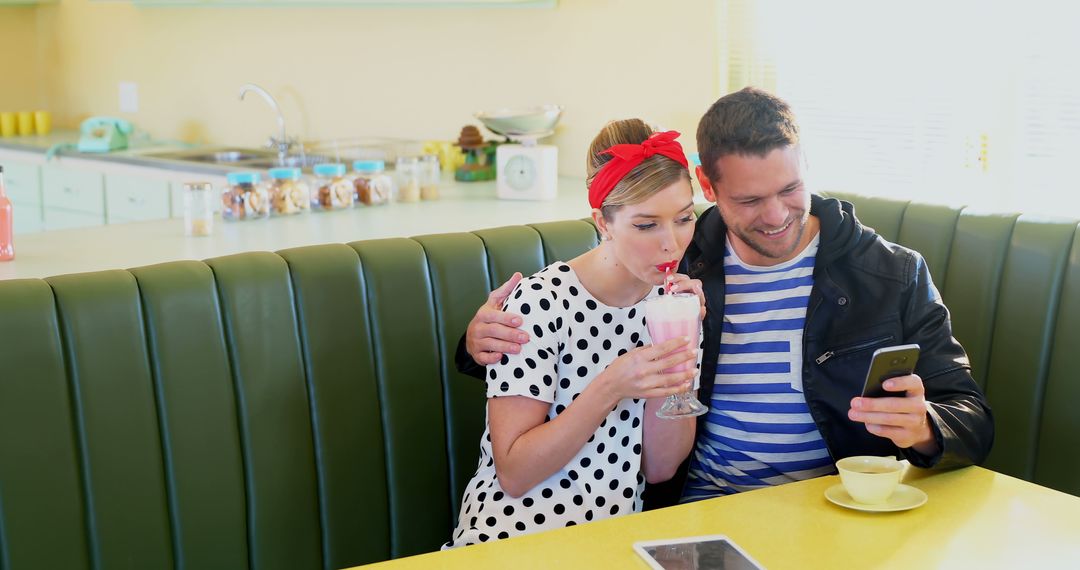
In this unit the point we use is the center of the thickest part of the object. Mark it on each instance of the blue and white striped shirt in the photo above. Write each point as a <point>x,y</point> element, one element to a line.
<point>759,431</point>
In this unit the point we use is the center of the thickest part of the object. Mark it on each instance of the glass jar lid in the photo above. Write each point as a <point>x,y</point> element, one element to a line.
<point>330,169</point>
<point>369,165</point>
<point>243,178</point>
<point>284,173</point>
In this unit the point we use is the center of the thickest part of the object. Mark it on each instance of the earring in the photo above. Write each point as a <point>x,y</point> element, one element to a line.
<point>605,237</point>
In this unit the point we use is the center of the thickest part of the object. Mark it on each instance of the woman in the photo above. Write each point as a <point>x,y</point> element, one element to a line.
<point>572,434</point>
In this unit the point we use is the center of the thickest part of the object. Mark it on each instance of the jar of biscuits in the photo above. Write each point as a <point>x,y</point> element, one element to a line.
<point>333,191</point>
<point>289,194</point>
<point>373,185</point>
<point>244,198</point>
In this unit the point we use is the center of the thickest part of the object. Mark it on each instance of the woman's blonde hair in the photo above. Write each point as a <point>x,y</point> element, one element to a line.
<point>652,175</point>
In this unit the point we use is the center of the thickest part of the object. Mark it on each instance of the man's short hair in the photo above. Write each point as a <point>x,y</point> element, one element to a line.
<point>747,122</point>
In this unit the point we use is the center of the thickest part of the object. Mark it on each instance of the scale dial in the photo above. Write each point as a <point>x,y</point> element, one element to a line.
<point>526,172</point>
<point>520,172</point>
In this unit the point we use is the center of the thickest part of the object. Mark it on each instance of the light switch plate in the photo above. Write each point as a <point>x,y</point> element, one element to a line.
<point>129,97</point>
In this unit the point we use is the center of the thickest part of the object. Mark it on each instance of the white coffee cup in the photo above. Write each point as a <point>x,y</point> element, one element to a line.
<point>870,479</point>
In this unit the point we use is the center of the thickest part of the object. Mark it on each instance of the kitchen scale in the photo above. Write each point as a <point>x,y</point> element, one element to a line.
<point>525,170</point>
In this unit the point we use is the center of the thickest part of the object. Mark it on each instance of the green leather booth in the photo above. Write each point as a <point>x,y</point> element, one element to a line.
<point>300,409</point>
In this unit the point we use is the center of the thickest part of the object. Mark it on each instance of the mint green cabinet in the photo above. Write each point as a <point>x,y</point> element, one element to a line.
<point>132,198</point>
<point>28,219</point>
<point>75,192</point>
<point>22,182</point>
<point>73,197</point>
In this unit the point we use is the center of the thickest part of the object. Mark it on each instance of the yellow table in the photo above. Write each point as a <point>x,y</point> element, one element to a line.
<point>975,518</point>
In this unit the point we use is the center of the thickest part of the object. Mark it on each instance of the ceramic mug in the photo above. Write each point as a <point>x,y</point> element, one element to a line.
<point>26,123</point>
<point>42,122</point>
<point>7,124</point>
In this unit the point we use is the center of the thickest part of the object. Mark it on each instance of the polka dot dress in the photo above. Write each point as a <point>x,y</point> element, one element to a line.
<point>573,338</point>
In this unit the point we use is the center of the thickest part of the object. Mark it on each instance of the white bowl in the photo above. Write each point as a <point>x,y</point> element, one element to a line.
<point>531,121</point>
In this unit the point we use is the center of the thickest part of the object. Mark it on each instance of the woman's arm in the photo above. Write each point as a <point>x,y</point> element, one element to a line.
<point>528,450</point>
<point>665,443</point>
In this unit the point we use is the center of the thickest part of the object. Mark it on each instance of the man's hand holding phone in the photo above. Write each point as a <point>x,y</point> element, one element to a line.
<point>893,404</point>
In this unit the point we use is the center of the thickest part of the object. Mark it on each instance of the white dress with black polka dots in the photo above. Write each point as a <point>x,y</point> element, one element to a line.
<point>573,338</point>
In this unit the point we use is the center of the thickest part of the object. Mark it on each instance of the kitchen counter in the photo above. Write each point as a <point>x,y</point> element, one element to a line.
<point>135,155</point>
<point>461,207</point>
<point>40,143</point>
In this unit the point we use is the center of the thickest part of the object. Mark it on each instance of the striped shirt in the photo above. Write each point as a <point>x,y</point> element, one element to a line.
<point>759,431</point>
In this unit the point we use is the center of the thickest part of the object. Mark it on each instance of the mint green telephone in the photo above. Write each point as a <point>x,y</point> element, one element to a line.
<point>104,134</point>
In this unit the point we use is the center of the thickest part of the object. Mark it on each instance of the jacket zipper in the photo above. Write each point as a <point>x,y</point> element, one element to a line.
<point>847,350</point>
<point>817,423</point>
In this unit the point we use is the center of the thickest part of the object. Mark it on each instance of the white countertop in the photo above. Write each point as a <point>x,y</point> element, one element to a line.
<point>139,157</point>
<point>461,207</point>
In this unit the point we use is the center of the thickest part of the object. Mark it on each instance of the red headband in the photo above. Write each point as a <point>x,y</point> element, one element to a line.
<point>627,156</point>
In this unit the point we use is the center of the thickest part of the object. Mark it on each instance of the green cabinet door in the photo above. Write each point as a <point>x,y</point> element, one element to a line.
<point>73,197</point>
<point>22,182</point>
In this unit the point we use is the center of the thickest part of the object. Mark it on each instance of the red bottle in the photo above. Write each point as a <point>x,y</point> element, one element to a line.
<point>7,245</point>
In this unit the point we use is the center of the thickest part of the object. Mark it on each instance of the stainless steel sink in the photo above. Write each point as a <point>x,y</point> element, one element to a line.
<point>292,161</point>
<point>226,156</point>
<point>217,155</point>
<point>237,157</point>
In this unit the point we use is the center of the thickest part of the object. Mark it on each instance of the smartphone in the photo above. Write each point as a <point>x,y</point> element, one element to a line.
<point>889,362</point>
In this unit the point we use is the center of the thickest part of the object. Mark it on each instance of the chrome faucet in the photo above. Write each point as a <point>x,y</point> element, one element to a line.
<point>281,142</point>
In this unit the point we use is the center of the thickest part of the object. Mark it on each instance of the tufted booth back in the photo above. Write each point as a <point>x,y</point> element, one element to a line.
<point>299,409</point>
<point>1012,284</point>
<point>289,410</point>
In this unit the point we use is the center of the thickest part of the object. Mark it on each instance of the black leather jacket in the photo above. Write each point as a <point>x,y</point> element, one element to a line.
<point>868,293</point>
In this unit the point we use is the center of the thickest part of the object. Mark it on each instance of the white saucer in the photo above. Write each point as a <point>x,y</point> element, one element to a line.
<point>903,498</point>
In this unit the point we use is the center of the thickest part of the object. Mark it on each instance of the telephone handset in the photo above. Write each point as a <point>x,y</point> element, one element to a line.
<point>104,134</point>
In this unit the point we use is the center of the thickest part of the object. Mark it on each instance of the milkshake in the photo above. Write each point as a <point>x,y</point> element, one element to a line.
<point>671,316</point>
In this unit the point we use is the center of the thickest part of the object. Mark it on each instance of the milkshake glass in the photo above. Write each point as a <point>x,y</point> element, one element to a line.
<point>671,316</point>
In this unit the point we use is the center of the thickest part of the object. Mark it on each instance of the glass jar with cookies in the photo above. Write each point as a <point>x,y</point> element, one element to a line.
<point>332,190</point>
<point>289,193</point>
<point>244,197</point>
<point>373,185</point>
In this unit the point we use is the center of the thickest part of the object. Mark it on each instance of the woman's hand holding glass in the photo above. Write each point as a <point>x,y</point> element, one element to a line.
<point>674,314</point>
<point>640,373</point>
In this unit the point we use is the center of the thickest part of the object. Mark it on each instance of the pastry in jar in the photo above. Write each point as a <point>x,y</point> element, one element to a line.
<point>342,192</point>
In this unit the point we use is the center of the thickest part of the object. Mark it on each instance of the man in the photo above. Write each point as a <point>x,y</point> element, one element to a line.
<point>799,295</point>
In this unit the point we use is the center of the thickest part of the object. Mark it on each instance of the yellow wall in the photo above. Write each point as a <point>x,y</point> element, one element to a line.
<point>408,72</point>
<point>21,87</point>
